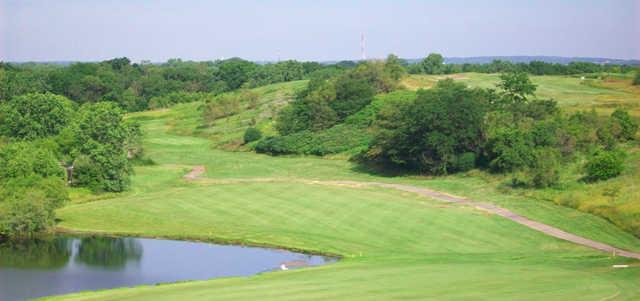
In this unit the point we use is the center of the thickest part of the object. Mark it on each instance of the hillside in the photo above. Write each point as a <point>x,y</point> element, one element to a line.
<point>422,247</point>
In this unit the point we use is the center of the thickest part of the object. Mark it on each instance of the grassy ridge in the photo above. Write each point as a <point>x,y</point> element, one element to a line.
<point>571,92</point>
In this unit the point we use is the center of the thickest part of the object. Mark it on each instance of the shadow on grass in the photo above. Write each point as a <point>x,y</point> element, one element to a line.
<point>382,170</point>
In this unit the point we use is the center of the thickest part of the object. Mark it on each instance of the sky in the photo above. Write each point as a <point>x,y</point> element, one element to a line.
<point>91,30</point>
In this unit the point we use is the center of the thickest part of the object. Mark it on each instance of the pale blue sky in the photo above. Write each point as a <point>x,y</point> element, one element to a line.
<point>314,30</point>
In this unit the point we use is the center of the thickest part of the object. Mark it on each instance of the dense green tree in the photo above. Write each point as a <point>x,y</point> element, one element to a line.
<point>34,116</point>
<point>311,112</point>
<point>516,86</point>
<point>353,92</point>
<point>394,67</point>
<point>101,135</point>
<point>432,64</point>
<point>433,131</point>
<point>31,188</point>
<point>235,72</point>
<point>622,126</point>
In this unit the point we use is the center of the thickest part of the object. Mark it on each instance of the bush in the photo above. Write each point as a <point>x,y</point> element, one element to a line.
<point>545,169</point>
<point>22,159</point>
<point>27,204</point>
<point>252,134</point>
<point>222,106</point>
<point>86,173</point>
<point>622,126</point>
<point>338,139</point>
<point>604,165</point>
<point>636,80</point>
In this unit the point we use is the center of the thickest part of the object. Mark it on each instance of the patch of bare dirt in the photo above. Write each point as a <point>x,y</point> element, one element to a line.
<point>195,173</point>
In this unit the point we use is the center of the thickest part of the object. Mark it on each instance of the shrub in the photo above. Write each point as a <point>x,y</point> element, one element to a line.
<point>604,165</point>
<point>622,126</point>
<point>545,169</point>
<point>22,159</point>
<point>636,79</point>
<point>222,106</point>
<point>252,134</point>
<point>338,139</point>
<point>27,204</point>
<point>86,173</point>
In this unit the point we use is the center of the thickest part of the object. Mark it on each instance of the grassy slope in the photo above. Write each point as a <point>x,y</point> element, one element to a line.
<point>617,199</point>
<point>396,245</point>
<point>571,92</point>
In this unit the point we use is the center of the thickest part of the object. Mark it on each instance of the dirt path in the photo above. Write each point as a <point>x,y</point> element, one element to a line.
<point>544,228</point>
<point>195,173</point>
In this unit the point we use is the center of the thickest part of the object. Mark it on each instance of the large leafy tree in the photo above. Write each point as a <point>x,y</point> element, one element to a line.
<point>101,137</point>
<point>35,115</point>
<point>235,72</point>
<point>432,64</point>
<point>433,131</point>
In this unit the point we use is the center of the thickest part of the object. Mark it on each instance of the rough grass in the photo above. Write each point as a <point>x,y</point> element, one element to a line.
<point>571,92</point>
<point>395,245</point>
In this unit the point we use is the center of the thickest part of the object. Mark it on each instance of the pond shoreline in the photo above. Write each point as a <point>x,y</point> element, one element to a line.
<point>219,241</point>
<point>68,262</point>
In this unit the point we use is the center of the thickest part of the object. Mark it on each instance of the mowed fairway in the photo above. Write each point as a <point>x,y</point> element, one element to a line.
<point>395,245</point>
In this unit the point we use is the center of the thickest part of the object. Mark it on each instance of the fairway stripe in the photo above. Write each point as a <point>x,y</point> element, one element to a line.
<point>538,226</point>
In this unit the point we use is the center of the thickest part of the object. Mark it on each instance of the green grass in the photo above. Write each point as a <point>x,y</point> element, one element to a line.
<point>394,245</point>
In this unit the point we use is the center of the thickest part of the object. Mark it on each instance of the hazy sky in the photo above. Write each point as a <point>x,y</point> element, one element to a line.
<point>314,30</point>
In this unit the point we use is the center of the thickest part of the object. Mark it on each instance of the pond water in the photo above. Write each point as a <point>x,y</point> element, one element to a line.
<point>65,264</point>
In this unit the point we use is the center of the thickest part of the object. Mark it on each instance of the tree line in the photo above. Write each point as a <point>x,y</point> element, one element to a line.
<point>434,64</point>
<point>50,142</point>
<point>138,87</point>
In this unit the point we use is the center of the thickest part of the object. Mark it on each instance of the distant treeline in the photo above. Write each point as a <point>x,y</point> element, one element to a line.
<point>434,64</point>
<point>136,87</point>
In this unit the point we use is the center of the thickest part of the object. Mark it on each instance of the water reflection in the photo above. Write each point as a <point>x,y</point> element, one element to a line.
<point>41,253</point>
<point>107,252</point>
<point>55,252</point>
<point>59,265</point>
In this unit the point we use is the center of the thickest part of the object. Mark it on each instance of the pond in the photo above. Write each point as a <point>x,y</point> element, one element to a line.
<point>65,264</point>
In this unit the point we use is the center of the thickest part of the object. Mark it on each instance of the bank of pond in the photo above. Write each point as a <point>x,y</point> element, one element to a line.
<point>65,264</point>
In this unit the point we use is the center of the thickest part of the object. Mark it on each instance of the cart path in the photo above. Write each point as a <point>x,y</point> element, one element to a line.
<point>538,226</point>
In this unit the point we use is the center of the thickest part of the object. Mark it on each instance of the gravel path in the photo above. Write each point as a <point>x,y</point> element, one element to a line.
<point>544,228</point>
